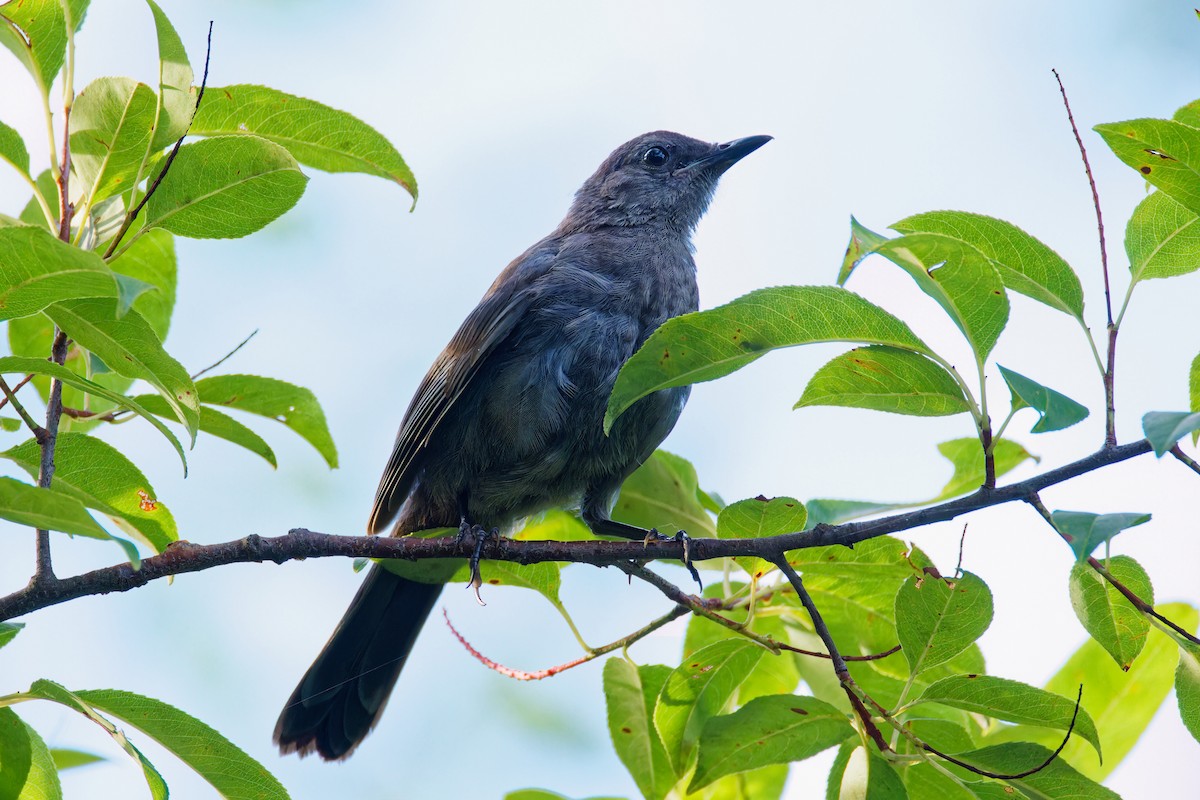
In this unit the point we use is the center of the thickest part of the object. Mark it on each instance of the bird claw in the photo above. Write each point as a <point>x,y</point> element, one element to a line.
<point>482,536</point>
<point>653,536</point>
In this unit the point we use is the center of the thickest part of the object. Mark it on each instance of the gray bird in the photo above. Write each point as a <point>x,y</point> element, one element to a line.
<point>508,422</point>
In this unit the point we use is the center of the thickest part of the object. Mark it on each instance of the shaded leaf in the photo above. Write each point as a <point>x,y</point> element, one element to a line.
<point>226,187</point>
<point>938,618</point>
<point>41,508</point>
<point>37,270</point>
<point>317,135</point>
<point>129,347</point>
<point>16,754</point>
<point>215,423</point>
<point>294,406</point>
<point>710,344</point>
<point>1105,613</point>
<point>151,259</point>
<point>176,93</point>
<point>1011,701</point>
<point>1162,239</point>
<point>1166,153</point>
<point>101,477</point>
<point>664,493</point>
<point>777,729</point>
<point>832,511</point>
<point>698,690</point>
<point>1055,410</point>
<point>1086,531</point>
<point>630,693</point>
<point>1024,263</point>
<point>112,121</point>
<point>1164,429</point>
<point>885,378</point>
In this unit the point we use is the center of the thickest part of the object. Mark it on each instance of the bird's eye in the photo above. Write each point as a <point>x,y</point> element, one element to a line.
<point>654,157</point>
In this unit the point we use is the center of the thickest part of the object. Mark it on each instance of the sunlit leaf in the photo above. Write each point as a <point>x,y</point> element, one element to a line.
<point>36,33</point>
<point>294,406</point>
<point>12,148</point>
<point>1056,779</point>
<point>1187,688</point>
<point>112,121</point>
<point>630,693</point>
<point>885,379</point>
<point>1106,614</point>
<point>938,618</point>
<point>178,96</point>
<point>37,270</point>
<point>1162,239</point>
<point>1165,152</point>
<point>759,517</point>
<point>663,493</point>
<point>967,457</point>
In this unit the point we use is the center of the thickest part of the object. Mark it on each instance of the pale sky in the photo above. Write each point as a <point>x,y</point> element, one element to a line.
<point>878,109</point>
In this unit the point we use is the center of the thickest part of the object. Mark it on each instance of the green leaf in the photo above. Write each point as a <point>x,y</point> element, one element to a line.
<point>1189,114</point>
<point>863,242</point>
<point>1105,613</point>
<point>884,378</point>
<point>1164,429</point>
<point>711,344</point>
<point>777,729</point>
<point>112,121</point>
<point>967,457</point>
<point>1165,152</point>
<point>832,511</point>
<point>177,95</point>
<point>543,794</point>
<point>630,693</point>
<point>1162,239</point>
<point>924,782</point>
<point>48,690</point>
<point>962,280</point>
<point>544,577</point>
<point>1121,703</point>
<point>36,33</point>
<point>1024,263</point>
<point>759,517</point>
<point>1193,392</point>
<point>766,783</point>
<point>129,347</point>
<point>215,423</point>
<point>938,618</point>
<point>1011,701</point>
<point>317,135</point>
<point>98,475</point>
<point>1055,411</point>
<point>26,769</point>
<point>698,690</point>
<point>12,148</point>
<point>9,630</point>
<point>226,187</point>
<point>40,508</point>
<point>1187,688</point>
<point>76,11</point>
<point>37,270</point>
<point>40,366</point>
<point>151,259</point>
<point>65,759</point>
<point>663,493</point>
<point>1057,780</point>
<point>294,406</point>
<point>226,767</point>
<point>1086,531</point>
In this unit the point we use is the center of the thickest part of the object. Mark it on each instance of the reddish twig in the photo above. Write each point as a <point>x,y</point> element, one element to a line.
<point>9,394</point>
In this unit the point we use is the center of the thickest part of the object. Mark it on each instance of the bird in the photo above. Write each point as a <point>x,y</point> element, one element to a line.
<point>508,422</point>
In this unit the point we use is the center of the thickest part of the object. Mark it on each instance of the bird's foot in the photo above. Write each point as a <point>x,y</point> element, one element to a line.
<point>482,536</point>
<point>653,536</point>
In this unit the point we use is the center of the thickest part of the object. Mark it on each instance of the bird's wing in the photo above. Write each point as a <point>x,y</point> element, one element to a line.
<point>483,330</point>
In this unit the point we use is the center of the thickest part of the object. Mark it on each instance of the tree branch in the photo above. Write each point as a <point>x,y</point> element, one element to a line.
<point>184,557</point>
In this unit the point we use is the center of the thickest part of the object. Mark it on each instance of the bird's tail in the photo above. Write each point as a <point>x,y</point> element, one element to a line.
<point>340,698</point>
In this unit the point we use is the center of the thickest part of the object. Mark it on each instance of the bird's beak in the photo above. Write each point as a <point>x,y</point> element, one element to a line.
<point>724,156</point>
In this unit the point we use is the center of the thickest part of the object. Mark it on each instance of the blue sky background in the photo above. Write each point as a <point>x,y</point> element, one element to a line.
<point>879,109</point>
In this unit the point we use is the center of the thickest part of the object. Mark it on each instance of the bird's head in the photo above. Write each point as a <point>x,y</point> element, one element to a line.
<point>660,178</point>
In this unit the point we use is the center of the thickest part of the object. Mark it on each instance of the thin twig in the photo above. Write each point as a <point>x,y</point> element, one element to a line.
<point>10,395</point>
<point>227,356</point>
<point>20,384</point>
<point>162,173</point>
<point>44,573</point>
<point>591,655</point>
<point>962,543</point>
<point>1183,458</point>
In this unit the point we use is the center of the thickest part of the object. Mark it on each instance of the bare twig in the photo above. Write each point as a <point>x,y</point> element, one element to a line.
<point>44,574</point>
<point>10,395</point>
<point>591,655</point>
<point>1183,458</point>
<point>20,384</point>
<point>162,173</point>
<point>227,356</point>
